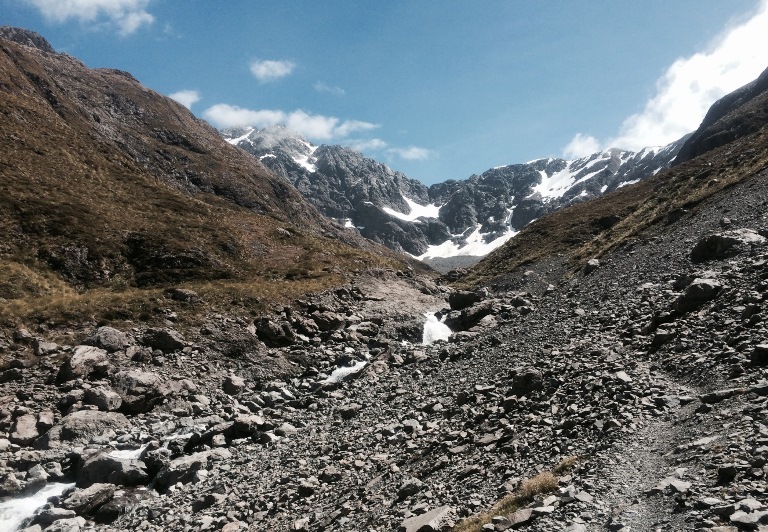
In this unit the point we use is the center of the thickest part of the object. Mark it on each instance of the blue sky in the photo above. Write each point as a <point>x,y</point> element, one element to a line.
<point>439,89</point>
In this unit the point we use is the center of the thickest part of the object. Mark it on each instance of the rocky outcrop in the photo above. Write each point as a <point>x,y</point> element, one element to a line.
<point>747,107</point>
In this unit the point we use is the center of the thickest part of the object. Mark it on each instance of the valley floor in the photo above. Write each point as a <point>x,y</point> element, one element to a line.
<point>650,409</point>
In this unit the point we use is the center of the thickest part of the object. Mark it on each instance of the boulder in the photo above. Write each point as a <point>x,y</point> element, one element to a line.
<point>726,244</point>
<point>471,316</point>
<point>109,339</point>
<point>527,380</point>
<point>24,430</point>
<point>87,362</point>
<point>103,399</point>
<point>100,467</point>
<point>87,500</point>
<point>184,468</point>
<point>592,265</point>
<point>233,385</point>
<point>43,349</point>
<point>759,355</point>
<point>184,295</point>
<point>47,515</point>
<point>696,294</point>
<point>139,390</point>
<point>72,524</point>
<point>166,340</point>
<point>275,333</point>
<point>327,321</point>
<point>411,486</point>
<point>82,427</point>
<point>431,521</point>
<point>462,299</point>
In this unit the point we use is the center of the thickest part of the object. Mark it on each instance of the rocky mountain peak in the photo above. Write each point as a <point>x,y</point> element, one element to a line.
<point>26,37</point>
<point>466,218</point>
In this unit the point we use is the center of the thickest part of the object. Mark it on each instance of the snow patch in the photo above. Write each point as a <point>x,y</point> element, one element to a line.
<point>241,138</point>
<point>267,156</point>
<point>417,211</point>
<point>625,183</point>
<point>343,372</point>
<point>475,246</point>
<point>304,161</point>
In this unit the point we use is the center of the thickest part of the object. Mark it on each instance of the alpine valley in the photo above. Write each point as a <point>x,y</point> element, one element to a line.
<point>188,343</point>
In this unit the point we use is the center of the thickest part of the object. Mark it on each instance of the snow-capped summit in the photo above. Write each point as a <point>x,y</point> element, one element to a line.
<point>457,218</point>
<point>274,142</point>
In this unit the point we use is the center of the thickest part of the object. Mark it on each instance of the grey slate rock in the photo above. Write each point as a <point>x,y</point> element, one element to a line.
<point>700,291</point>
<point>431,521</point>
<point>166,340</point>
<point>109,339</point>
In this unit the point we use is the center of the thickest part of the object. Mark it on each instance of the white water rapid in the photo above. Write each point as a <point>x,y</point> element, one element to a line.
<point>434,330</point>
<point>342,372</point>
<point>14,511</point>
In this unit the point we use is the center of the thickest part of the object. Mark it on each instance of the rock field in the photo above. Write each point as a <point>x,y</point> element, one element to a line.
<point>641,384</point>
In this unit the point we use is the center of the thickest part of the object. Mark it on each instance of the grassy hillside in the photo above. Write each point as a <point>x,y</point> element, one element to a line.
<point>110,191</point>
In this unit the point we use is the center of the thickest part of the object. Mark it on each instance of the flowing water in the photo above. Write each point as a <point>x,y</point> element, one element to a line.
<point>435,330</point>
<point>14,511</point>
<point>343,372</point>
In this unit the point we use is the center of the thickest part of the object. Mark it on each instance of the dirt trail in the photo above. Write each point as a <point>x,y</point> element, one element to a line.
<point>631,472</point>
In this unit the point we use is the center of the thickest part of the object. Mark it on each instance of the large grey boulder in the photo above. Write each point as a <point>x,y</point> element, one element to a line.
<point>103,399</point>
<point>24,430</point>
<point>696,294</point>
<point>87,362</point>
<point>139,390</point>
<point>166,340</point>
<point>101,466</point>
<point>462,299</point>
<point>275,333</point>
<point>527,380</point>
<point>82,427</point>
<point>109,339</point>
<point>87,500</point>
<point>726,244</point>
<point>431,521</point>
<point>184,468</point>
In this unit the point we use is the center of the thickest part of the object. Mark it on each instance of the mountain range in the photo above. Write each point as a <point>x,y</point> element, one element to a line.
<point>448,224</point>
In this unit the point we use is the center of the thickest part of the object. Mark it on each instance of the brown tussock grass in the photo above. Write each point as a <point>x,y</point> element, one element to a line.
<point>544,482</point>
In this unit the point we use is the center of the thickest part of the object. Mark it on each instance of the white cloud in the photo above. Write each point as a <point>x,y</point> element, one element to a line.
<point>187,98</point>
<point>368,145</point>
<point>127,15</point>
<point>269,70</point>
<point>580,146</point>
<point>330,89</point>
<point>692,84</point>
<point>314,127</point>
<point>411,153</point>
<point>224,115</point>
<point>353,126</point>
